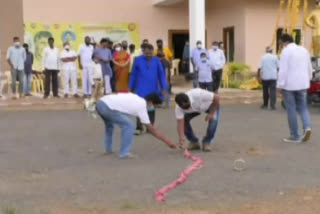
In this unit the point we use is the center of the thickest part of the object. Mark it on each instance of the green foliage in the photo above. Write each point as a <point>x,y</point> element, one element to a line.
<point>238,71</point>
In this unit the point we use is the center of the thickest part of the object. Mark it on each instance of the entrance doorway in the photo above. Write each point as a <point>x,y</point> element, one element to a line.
<point>177,41</point>
<point>228,40</point>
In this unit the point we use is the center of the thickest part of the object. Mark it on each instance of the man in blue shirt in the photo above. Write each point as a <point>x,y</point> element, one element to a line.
<point>105,56</point>
<point>268,73</point>
<point>16,57</point>
<point>28,69</point>
<point>195,60</point>
<point>147,77</point>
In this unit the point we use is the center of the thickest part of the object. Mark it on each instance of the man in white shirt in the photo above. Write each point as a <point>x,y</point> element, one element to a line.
<point>51,65</point>
<point>218,60</point>
<point>114,109</point>
<point>85,60</point>
<point>294,79</point>
<point>268,73</point>
<point>190,105</point>
<point>69,69</point>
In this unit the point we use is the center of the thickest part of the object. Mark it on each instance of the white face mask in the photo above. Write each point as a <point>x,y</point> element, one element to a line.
<point>118,49</point>
<point>215,47</point>
<point>67,47</point>
<point>17,44</point>
<point>199,46</point>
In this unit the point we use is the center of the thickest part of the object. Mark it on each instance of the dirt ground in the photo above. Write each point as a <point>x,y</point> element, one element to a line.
<point>53,162</point>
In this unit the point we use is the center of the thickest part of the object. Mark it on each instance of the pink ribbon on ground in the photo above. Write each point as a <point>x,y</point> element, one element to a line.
<point>197,163</point>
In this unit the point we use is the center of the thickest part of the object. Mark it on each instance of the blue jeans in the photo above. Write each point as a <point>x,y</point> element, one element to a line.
<point>296,101</point>
<point>15,73</point>
<point>27,81</point>
<point>110,118</point>
<point>211,129</point>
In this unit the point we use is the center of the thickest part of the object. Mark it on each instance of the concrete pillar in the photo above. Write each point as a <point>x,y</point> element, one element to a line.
<point>197,23</point>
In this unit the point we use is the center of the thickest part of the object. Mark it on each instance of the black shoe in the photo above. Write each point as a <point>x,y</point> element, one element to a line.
<point>45,97</point>
<point>28,95</point>
<point>273,108</point>
<point>76,96</point>
<point>57,96</point>
<point>264,107</point>
<point>66,96</point>
<point>85,96</point>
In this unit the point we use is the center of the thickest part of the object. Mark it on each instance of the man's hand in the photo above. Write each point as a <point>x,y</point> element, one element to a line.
<point>172,146</point>
<point>165,94</point>
<point>182,144</point>
<point>209,117</point>
<point>279,91</point>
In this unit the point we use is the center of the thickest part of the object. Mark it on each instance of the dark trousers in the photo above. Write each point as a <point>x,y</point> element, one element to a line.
<point>51,76</point>
<point>206,86</point>
<point>216,78</point>
<point>269,92</point>
<point>152,117</point>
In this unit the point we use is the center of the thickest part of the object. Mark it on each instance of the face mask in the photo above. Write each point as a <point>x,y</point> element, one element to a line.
<point>204,60</point>
<point>199,46</point>
<point>67,47</point>
<point>17,44</point>
<point>118,49</point>
<point>215,47</point>
<point>150,108</point>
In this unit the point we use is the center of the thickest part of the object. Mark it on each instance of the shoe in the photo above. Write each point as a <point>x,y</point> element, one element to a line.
<point>129,156</point>
<point>45,97</point>
<point>76,96</point>
<point>14,97</point>
<point>28,95</point>
<point>138,132</point>
<point>194,146</point>
<point>66,96</point>
<point>206,147</point>
<point>85,97</point>
<point>307,135</point>
<point>57,96</point>
<point>290,140</point>
<point>22,95</point>
<point>273,108</point>
<point>264,107</point>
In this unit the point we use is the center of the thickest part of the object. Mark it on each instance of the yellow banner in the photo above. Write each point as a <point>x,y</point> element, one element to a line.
<point>37,34</point>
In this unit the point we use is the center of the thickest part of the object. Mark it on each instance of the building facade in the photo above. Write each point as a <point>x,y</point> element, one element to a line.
<point>245,26</point>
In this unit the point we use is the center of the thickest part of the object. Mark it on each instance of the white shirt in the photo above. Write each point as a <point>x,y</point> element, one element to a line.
<point>51,58</point>
<point>217,58</point>
<point>95,71</point>
<point>128,103</point>
<point>85,53</point>
<point>269,65</point>
<point>200,101</point>
<point>295,68</point>
<point>68,66</point>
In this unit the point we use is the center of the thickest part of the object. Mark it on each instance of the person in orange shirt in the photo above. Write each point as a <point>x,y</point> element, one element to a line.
<point>165,50</point>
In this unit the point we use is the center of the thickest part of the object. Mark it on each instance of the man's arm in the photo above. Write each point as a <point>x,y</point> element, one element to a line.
<point>214,107</point>
<point>8,58</point>
<point>160,136</point>
<point>180,129</point>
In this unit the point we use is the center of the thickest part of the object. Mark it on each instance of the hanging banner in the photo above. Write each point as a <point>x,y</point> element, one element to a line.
<point>37,34</point>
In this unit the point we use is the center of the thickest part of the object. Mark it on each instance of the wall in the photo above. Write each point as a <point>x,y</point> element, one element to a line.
<point>154,22</point>
<point>11,24</point>
<point>226,13</point>
<point>261,17</point>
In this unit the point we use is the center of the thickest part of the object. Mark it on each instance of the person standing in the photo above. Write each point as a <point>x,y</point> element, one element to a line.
<point>186,59</point>
<point>16,57</point>
<point>195,60</point>
<point>121,60</point>
<point>148,77</point>
<point>28,69</point>
<point>165,50</point>
<point>167,67</point>
<point>69,68</point>
<point>218,60</point>
<point>205,73</point>
<point>85,60</point>
<point>51,64</point>
<point>294,78</point>
<point>268,73</point>
<point>96,78</point>
<point>190,105</point>
<point>105,56</point>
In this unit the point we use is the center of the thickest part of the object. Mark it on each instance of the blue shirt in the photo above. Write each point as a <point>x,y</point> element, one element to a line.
<point>105,54</point>
<point>205,71</point>
<point>28,63</point>
<point>147,77</point>
<point>17,56</point>
<point>269,66</point>
<point>196,55</point>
